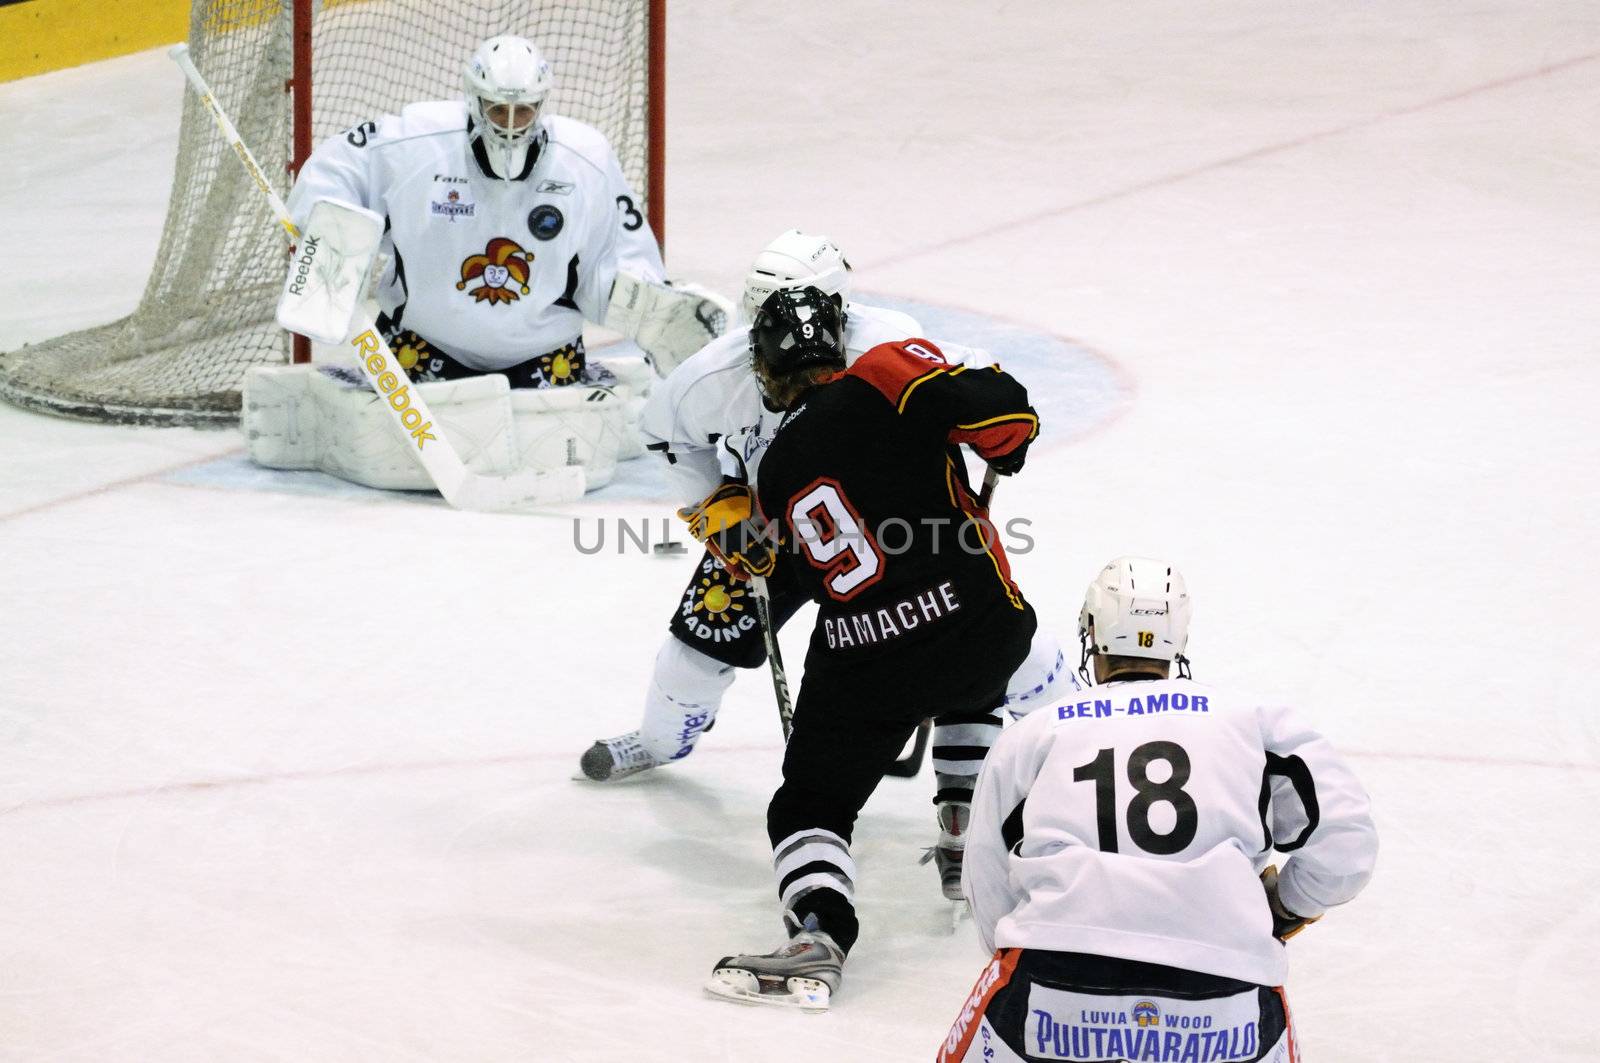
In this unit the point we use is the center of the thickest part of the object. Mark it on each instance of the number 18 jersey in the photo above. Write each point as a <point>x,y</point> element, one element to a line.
<point>1134,821</point>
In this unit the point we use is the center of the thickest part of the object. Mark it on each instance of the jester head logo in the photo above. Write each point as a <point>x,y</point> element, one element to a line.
<point>1145,1013</point>
<point>718,601</point>
<point>502,261</point>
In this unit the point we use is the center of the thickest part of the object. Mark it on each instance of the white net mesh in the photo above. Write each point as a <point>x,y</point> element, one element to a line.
<point>206,314</point>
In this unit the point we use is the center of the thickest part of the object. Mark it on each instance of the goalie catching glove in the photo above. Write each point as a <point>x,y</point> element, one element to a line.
<point>668,321</point>
<point>724,521</point>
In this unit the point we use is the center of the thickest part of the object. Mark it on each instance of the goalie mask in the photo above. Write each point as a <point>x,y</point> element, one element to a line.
<point>1136,607</point>
<point>507,81</point>
<point>795,330</point>
<point>796,259</point>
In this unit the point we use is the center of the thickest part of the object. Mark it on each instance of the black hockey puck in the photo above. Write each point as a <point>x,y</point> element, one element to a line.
<point>669,549</point>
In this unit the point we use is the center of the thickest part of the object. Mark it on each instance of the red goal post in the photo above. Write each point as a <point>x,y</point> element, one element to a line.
<point>290,73</point>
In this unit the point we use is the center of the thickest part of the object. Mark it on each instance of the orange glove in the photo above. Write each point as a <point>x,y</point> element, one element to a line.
<point>1285,924</point>
<point>725,521</point>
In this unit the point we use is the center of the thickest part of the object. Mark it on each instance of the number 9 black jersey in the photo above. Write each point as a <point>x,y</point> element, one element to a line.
<point>879,525</point>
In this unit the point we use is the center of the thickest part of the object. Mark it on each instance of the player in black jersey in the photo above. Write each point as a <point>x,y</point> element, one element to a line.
<point>865,487</point>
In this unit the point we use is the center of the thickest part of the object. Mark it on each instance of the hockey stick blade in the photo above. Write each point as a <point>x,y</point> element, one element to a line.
<point>523,490</point>
<point>910,765</point>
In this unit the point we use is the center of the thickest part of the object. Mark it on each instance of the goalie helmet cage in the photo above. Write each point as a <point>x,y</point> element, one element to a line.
<point>290,73</point>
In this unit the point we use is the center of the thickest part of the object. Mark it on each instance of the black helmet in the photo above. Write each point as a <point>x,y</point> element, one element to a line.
<point>795,329</point>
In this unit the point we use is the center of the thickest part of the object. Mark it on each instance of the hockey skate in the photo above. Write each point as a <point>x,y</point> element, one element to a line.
<point>616,758</point>
<point>804,974</point>
<point>948,863</point>
<point>946,856</point>
<point>953,819</point>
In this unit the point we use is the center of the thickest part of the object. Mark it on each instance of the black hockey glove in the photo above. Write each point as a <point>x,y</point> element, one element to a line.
<point>1285,924</point>
<point>1010,464</point>
<point>725,521</point>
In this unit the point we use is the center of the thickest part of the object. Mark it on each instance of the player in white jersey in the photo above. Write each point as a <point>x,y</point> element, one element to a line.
<point>1118,857</point>
<point>709,422</point>
<point>505,229</point>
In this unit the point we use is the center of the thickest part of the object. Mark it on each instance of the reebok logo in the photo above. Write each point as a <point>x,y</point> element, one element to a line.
<point>381,370</point>
<point>302,265</point>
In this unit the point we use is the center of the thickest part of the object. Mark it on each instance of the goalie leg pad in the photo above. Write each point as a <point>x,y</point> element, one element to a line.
<point>280,423</point>
<point>576,425</point>
<point>632,378</point>
<point>323,417</point>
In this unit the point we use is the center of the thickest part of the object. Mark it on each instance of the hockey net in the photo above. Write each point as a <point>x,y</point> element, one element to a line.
<point>207,311</point>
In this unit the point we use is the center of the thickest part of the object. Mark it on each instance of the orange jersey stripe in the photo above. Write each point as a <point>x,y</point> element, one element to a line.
<point>1288,1023</point>
<point>990,982</point>
<point>997,436</point>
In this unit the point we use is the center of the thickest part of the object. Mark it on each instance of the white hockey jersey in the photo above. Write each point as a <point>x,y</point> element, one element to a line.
<point>1134,821</point>
<point>707,418</point>
<point>491,272</point>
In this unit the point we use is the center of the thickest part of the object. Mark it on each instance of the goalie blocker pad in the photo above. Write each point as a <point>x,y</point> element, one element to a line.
<point>328,275</point>
<point>323,417</point>
<point>669,322</point>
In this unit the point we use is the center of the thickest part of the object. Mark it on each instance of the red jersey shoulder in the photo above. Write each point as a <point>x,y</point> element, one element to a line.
<point>895,368</point>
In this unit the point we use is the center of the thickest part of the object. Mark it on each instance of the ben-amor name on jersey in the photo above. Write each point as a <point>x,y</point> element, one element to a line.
<point>1098,708</point>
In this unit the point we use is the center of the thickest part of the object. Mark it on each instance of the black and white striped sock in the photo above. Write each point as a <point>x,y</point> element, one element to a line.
<point>816,877</point>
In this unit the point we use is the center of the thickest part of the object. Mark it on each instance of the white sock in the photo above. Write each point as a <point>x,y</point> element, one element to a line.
<point>685,692</point>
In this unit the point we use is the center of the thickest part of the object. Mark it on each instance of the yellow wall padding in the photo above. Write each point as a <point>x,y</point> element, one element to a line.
<point>41,35</point>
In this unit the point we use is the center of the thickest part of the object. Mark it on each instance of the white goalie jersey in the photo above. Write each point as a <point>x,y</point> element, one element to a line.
<point>1134,821</point>
<point>490,271</point>
<point>709,421</point>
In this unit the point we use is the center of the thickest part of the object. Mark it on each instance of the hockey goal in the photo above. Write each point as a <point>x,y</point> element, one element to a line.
<point>289,73</point>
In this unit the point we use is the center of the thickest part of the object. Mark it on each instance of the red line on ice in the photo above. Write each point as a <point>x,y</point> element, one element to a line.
<point>313,775</point>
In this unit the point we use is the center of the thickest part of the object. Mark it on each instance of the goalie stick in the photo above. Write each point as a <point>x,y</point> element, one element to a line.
<point>461,487</point>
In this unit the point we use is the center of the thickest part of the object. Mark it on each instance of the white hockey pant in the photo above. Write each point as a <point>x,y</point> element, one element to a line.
<point>1044,680</point>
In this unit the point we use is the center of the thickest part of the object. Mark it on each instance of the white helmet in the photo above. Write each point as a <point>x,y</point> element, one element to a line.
<point>1137,607</point>
<point>797,260</point>
<point>507,81</point>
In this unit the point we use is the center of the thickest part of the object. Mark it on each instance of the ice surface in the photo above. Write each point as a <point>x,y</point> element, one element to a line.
<point>1309,292</point>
